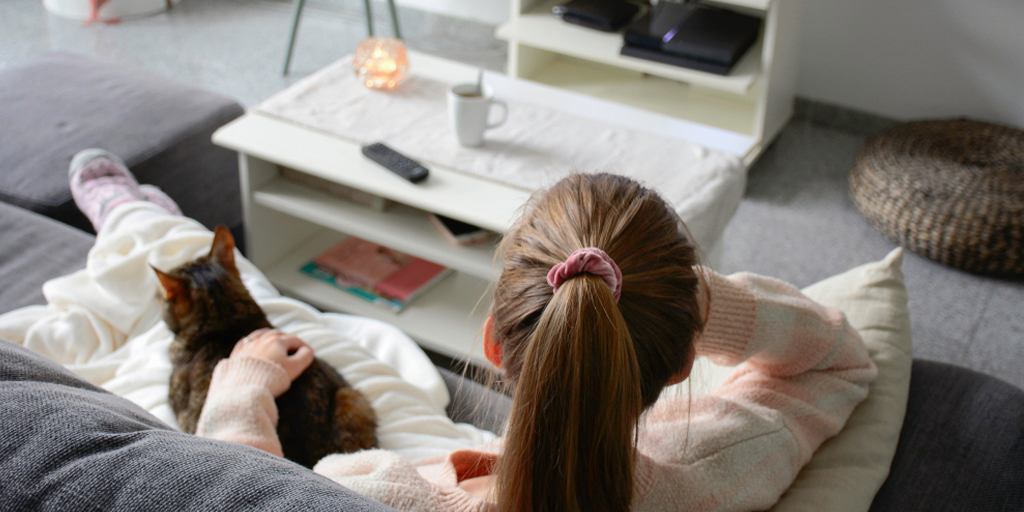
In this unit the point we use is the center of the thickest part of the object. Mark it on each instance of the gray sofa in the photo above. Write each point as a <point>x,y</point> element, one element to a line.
<point>56,105</point>
<point>67,445</point>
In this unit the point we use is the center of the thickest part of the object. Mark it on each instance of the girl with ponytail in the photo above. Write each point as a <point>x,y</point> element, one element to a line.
<point>600,305</point>
<point>595,311</point>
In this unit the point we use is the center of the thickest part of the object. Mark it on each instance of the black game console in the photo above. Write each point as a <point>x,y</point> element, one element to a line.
<point>605,15</point>
<point>691,35</point>
<point>675,60</point>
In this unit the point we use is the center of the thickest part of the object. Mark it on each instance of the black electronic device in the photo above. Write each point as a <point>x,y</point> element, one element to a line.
<point>666,16</point>
<point>396,162</point>
<point>458,232</point>
<point>692,35</point>
<point>647,30</point>
<point>606,15</point>
<point>712,34</point>
<point>641,52</point>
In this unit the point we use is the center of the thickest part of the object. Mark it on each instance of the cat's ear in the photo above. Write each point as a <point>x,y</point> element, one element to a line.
<point>223,249</point>
<point>173,286</point>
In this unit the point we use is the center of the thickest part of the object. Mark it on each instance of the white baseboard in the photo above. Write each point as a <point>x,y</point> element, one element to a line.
<point>492,12</point>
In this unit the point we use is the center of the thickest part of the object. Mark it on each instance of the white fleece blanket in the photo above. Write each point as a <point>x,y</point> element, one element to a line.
<point>104,324</point>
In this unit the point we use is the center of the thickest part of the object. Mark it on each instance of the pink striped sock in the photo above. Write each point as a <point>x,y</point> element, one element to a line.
<point>100,182</point>
<point>154,195</point>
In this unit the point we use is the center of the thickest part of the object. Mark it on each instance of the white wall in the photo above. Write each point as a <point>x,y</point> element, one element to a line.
<point>493,12</point>
<point>916,58</point>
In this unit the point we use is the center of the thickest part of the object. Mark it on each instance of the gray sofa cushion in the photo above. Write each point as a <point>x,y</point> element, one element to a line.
<point>475,404</point>
<point>59,104</point>
<point>35,249</point>
<point>67,445</point>
<point>961,447</point>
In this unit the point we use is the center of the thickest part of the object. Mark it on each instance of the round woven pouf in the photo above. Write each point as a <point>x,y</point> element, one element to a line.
<point>949,190</point>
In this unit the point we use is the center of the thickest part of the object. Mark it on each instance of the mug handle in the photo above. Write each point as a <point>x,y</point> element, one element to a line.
<point>504,113</point>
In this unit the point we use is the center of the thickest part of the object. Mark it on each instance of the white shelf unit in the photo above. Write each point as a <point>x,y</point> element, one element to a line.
<point>755,99</point>
<point>400,227</point>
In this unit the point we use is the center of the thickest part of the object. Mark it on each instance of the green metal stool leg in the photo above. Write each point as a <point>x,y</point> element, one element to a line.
<point>394,19</point>
<point>369,17</point>
<point>296,14</point>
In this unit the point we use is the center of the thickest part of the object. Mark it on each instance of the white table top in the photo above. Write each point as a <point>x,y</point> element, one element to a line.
<point>476,199</point>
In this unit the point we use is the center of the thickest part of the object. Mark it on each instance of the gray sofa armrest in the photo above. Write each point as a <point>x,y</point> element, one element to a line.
<point>35,249</point>
<point>961,447</point>
<point>58,104</point>
<point>67,445</point>
<point>475,404</point>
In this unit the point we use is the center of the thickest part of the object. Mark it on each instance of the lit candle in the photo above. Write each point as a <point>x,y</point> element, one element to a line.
<point>381,63</point>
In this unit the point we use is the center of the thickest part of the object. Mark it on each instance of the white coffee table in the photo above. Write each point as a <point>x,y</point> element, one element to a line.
<point>287,224</point>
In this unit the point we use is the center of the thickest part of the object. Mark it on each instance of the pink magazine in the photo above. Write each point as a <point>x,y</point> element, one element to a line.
<point>411,280</point>
<point>393,274</point>
<point>362,263</point>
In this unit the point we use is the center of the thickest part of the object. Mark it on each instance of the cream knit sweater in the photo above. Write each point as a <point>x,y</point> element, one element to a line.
<point>800,371</point>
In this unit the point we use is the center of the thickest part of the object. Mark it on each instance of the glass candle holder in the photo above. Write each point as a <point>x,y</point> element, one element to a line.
<point>381,63</point>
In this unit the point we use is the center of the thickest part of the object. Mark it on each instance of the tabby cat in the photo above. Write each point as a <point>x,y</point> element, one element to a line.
<point>208,309</point>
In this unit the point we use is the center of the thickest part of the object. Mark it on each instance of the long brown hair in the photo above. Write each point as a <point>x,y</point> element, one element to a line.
<point>583,368</point>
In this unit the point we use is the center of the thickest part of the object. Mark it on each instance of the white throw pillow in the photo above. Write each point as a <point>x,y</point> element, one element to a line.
<point>847,471</point>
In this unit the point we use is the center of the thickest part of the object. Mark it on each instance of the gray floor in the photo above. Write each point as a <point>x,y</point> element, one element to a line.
<point>796,222</point>
<point>237,47</point>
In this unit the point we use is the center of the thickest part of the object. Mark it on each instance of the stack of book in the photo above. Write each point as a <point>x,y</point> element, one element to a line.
<point>375,273</point>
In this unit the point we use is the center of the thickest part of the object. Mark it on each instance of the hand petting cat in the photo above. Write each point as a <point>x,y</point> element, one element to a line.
<point>271,345</point>
<point>314,412</point>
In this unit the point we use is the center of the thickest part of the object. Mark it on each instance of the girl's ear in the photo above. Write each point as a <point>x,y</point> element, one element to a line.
<point>492,349</point>
<point>223,249</point>
<point>683,374</point>
<point>172,286</point>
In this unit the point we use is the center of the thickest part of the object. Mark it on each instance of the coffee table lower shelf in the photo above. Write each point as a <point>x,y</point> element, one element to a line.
<point>446,319</point>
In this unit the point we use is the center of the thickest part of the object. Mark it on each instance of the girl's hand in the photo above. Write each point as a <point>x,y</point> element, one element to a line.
<point>274,346</point>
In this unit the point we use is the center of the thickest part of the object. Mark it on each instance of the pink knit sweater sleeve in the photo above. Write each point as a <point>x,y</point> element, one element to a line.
<point>239,405</point>
<point>240,408</point>
<point>800,371</point>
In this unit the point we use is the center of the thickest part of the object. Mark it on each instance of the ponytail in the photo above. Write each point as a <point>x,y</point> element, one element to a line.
<point>571,439</point>
<point>572,355</point>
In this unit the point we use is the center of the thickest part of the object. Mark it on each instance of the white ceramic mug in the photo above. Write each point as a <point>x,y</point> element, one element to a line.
<point>469,111</point>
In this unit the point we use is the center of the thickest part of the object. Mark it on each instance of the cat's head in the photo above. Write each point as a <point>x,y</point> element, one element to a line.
<point>206,292</point>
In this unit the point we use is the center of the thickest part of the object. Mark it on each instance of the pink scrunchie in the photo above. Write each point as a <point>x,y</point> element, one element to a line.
<point>590,260</point>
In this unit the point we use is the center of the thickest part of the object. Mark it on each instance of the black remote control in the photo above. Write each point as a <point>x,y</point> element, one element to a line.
<point>396,162</point>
